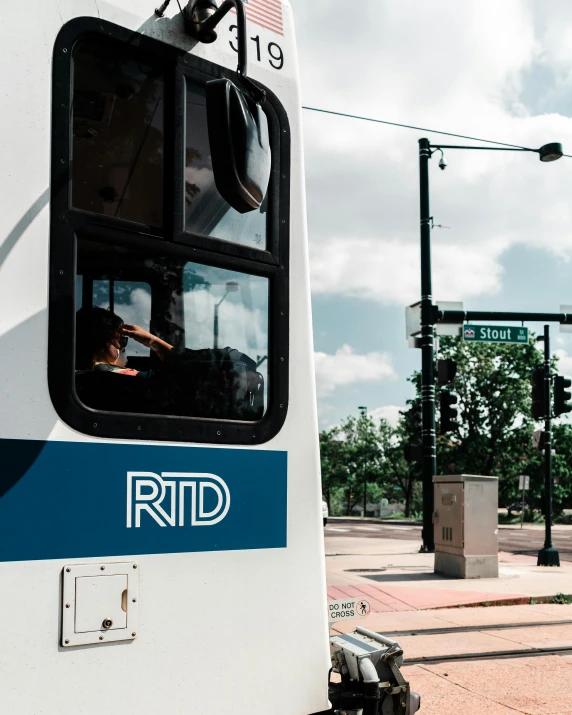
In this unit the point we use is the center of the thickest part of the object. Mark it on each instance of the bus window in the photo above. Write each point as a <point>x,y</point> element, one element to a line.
<point>206,211</point>
<point>208,358</point>
<point>210,333</point>
<point>117,134</point>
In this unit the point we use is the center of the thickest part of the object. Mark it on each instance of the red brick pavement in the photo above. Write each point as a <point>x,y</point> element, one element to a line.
<point>403,598</point>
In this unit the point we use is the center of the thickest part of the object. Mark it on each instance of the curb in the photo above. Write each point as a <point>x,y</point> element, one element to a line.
<point>524,601</point>
<point>373,520</point>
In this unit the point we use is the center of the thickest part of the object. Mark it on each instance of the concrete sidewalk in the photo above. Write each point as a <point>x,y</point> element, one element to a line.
<point>531,686</point>
<point>394,576</point>
<point>518,669</point>
<point>498,660</point>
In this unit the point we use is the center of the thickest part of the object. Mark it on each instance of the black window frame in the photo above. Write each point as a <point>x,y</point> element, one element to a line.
<point>67,222</point>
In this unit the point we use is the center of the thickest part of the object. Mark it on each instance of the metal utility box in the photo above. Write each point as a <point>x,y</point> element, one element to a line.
<point>465,522</point>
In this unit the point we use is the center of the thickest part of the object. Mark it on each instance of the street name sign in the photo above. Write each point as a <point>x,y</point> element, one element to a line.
<point>495,334</point>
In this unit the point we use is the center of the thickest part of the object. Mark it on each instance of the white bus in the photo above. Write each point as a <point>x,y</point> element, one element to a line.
<point>161,545</point>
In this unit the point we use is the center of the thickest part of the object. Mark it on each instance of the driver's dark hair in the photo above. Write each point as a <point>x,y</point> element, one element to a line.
<point>95,328</point>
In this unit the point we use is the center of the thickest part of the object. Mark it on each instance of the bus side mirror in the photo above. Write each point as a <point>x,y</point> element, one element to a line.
<point>239,145</point>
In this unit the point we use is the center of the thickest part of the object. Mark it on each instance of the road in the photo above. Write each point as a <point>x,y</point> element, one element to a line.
<point>512,538</point>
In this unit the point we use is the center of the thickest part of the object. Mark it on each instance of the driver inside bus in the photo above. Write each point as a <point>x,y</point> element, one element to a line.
<point>210,382</point>
<point>101,338</point>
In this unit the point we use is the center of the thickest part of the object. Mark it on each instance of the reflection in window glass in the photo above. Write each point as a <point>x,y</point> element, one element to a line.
<point>226,309</point>
<point>209,344</point>
<point>205,210</point>
<point>117,133</point>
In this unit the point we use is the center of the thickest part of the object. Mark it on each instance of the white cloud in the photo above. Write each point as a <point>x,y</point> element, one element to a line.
<point>201,177</point>
<point>388,271</point>
<point>564,362</point>
<point>457,71</point>
<point>387,412</point>
<point>239,327</point>
<point>347,367</point>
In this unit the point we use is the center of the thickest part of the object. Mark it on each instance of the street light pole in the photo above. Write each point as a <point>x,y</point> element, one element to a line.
<point>430,314</point>
<point>215,326</point>
<point>231,287</point>
<point>547,556</point>
<point>363,413</point>
<point>429,462</point>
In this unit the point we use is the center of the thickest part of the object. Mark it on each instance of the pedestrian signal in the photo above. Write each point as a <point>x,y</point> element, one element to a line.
<point>446,372</point>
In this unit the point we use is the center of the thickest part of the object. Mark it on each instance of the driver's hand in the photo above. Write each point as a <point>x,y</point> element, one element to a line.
<point>138,334</point>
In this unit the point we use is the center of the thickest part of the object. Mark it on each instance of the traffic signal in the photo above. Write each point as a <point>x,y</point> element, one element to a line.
<point>413,452</point>
<point>448,412</point>
<point>561,395</point>
<point>417,416</point>
<point>537,381</point>
<point>446,371</point>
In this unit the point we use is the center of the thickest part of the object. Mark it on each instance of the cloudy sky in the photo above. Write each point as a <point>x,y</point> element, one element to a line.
<point>498,70</point>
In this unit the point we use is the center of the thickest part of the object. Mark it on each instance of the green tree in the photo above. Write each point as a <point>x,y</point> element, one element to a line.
<point>495,427</point>
<point>351,458</point>
<point>562,466</point>
<point>407,475</point>
<point>365,456</point>
<point>494,435</point>
<point>335,464</point>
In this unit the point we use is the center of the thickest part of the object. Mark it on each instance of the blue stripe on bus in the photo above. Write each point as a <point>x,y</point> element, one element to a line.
<point>70,499</point>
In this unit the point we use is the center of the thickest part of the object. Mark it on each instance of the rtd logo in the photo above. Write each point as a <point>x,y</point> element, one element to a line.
<point>176,498</point>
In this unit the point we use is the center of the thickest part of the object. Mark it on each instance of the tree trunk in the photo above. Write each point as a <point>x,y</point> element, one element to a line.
<point>408,499</point>
<point>349,501</point>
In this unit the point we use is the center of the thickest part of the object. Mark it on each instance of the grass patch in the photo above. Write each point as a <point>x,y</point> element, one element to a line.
<point>562,598</point>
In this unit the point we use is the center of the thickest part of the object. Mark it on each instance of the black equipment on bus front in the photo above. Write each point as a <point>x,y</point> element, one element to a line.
<point>240,145</point>
<point>238,128</point>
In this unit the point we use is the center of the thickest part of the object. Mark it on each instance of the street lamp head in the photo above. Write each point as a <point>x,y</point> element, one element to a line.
<point>231,286</point>
<point>550,152</point>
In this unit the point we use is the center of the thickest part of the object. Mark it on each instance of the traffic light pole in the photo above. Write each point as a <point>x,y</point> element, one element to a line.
<point>547,556</point>
<point>429,440</point>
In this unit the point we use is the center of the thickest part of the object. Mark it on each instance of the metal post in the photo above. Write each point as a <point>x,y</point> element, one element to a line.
<point>547,556</point>
<point>215,326</point>
<point>215,322</point>
<point>429,462</point>
<point>522,510</point>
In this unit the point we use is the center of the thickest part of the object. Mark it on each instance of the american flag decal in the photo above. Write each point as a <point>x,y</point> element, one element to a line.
<point>266,13</point>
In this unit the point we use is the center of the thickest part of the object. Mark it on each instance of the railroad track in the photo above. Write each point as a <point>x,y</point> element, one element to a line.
<point>470,629</point>
<point>517,652</point>
<point>491,655</point>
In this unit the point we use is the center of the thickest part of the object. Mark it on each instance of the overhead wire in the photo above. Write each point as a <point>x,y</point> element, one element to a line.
<point>422,129</point>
